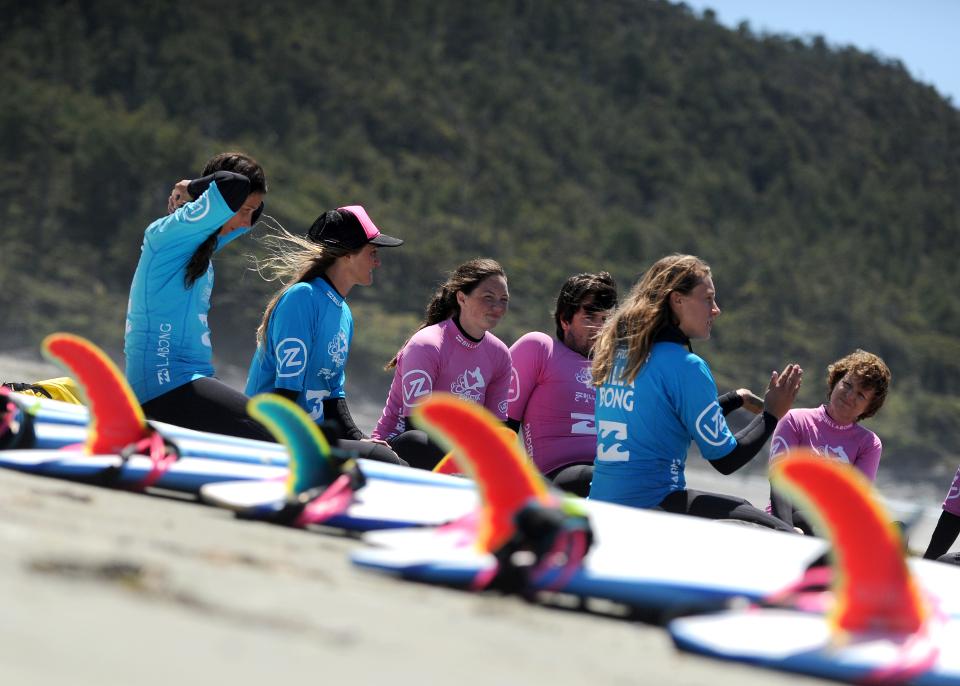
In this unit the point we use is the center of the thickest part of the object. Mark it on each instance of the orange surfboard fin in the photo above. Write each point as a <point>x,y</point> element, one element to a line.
<point>505,478</point>
<point>872,585</point>
<point>116,419</point>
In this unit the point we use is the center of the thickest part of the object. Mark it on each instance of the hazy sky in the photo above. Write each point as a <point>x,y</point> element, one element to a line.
<point>923,34</point>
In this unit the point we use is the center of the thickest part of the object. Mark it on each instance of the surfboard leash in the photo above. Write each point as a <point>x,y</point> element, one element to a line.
<point>545,551</point>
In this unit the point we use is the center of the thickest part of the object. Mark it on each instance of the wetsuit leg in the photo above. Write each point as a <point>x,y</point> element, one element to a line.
<point>416,449</point>
<point>207,404</point>
<point>716,506</point>
<point>944,535</point>
<point>573,478</point>
<point>371,451</point>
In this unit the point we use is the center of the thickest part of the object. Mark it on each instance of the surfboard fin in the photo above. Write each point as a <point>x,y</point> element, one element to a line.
<point>517,511</point>
<point>116,419</point>
<point>312,470</point>
<point>448,463</point>
<point>872,586</point>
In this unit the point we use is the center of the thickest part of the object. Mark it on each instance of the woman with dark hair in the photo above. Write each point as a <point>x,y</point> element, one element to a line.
<point>655,395</point>
<point>452,351</point>
<point>167,340</point>
<point>857,386</point>
<point>304,338</point>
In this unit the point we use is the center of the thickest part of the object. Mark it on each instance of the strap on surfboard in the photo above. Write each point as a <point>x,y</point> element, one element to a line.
<point>318,486</point>
<point>517,514</point>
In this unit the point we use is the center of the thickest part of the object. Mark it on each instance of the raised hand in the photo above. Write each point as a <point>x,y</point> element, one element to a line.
<point>178,196</point>
<point>782,390</point>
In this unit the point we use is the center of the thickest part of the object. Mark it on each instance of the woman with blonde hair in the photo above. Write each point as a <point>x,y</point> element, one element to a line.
<point>655,396</point>
<point>304,337</point>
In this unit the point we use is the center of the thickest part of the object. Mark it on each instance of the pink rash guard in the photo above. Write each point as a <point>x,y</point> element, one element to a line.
<point>952,502</point>
<point>813,428</point>
<point>441,358</point>
<point>553,397</point>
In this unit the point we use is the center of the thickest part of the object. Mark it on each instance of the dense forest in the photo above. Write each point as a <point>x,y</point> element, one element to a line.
<point>820,182</point>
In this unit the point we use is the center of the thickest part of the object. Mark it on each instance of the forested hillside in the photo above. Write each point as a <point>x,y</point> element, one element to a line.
<point>821,184</point>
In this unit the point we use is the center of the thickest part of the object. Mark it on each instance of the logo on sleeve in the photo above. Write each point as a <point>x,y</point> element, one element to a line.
<point>514,391</point>
<point>196,210</point>
<point>291,357</point>
<point>416,385</point>
<point>954,489</point>
<point>778,445</point>
<point>315,401</point>
<point>711,425</point>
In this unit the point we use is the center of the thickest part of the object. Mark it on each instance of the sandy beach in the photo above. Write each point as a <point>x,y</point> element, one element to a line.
<point>108,587</point>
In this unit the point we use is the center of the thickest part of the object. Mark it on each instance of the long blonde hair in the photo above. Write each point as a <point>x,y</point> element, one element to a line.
<point>292,260</point>
<point>644,313</point>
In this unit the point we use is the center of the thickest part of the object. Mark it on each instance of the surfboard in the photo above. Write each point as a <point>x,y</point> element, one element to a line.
<point>112,420</point>
<point>639,557</point>
<point>879,623</point>
<point>320,490</point>
<point>183,473</point>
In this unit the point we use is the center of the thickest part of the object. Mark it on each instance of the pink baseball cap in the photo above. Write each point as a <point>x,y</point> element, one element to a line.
<point>350,227</point>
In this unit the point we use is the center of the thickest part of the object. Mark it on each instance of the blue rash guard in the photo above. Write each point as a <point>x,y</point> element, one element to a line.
<point>644,428</point>
<point>306,347</point>
<point>167,339</point>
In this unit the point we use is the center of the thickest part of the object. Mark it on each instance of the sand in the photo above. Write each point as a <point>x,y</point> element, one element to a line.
<point>107,587</point>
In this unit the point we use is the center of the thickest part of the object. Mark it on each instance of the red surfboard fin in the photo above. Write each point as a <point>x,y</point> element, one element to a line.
<point>116,419</point>
<point>872,585</point>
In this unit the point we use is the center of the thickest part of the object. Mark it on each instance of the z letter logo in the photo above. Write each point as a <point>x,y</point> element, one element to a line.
<point>291,357</point>
<point>416,385</point>
<point>779,445</point>
<point>196,210</point>
<point>711,425</point>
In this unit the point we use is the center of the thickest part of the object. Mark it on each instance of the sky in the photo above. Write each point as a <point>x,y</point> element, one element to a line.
<point>923,34</point>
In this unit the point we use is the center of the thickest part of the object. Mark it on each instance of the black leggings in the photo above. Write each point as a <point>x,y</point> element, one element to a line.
<point>716,506</point>
<point>416,449</point>
<point>207,404</point>
<point>573,478</point>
